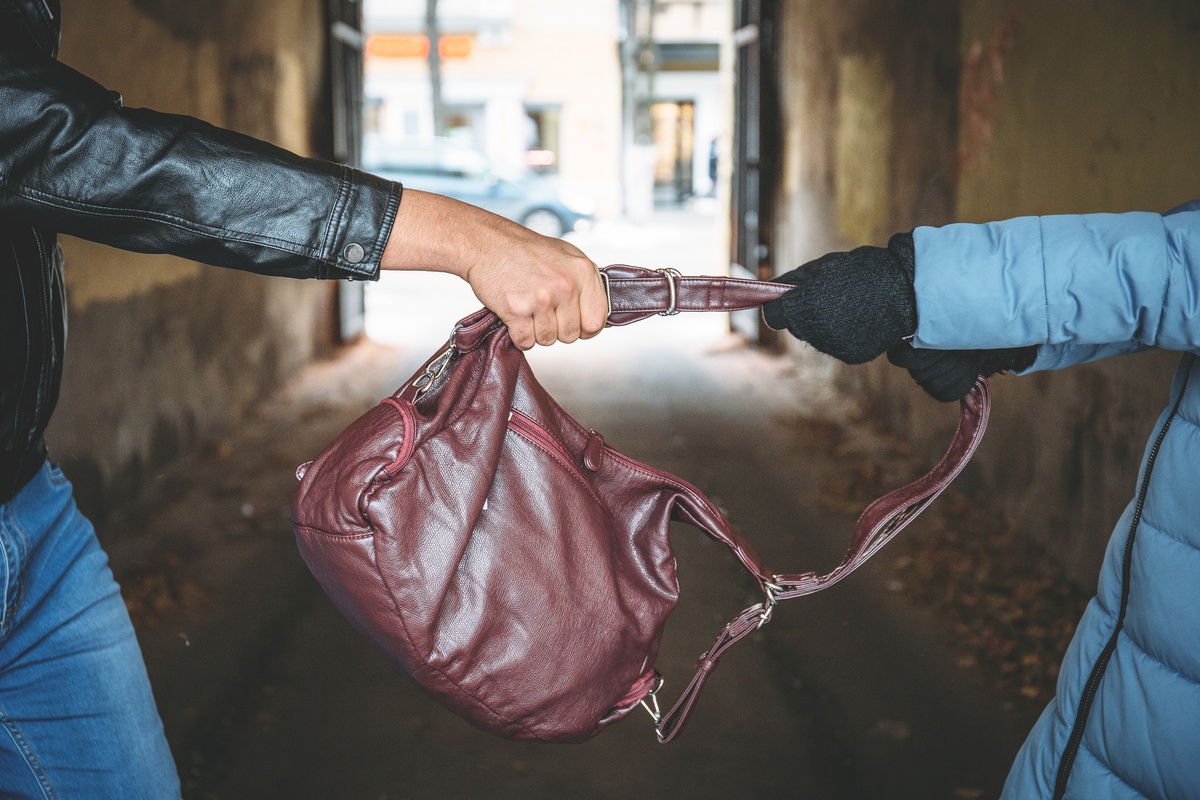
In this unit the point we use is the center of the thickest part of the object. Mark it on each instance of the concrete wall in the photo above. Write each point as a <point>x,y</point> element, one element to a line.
<point>164,354</point>
<point>1059,106</point>
<point>849,73</point>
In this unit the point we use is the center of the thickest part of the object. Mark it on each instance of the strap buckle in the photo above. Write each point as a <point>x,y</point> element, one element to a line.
<point>435,368</point>
<point>607,281</point>
<point>672,276</point>
<point>652,696</point>
<point>767,606</point>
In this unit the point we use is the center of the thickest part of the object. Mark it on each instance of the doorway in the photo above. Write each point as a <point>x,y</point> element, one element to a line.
<point>674,135</point>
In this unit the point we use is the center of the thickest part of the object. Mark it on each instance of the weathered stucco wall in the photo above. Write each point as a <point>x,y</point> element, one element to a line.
<point>1055,107</point>
<point>869,96</point>
<point>164,354</point>
<point>869,92</point>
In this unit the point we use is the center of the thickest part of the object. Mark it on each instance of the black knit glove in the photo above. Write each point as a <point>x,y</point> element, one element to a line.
<point>947,375</point>
<point>857,305</point>
<point>853,306</point>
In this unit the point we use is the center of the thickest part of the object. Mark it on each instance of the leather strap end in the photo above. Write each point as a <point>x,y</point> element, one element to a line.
<point>637,293</point>
<point>673,722</point>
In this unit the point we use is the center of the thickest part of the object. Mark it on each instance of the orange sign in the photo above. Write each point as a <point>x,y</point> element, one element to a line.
<point>455,46</point>
<point>415,45</point>
<point>391,45</point>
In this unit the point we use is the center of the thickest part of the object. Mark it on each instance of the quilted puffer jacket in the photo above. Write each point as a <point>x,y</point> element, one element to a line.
<point>1126,719</point>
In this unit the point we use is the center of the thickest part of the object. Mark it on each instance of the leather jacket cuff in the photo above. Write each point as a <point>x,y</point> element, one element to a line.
<point>359,226</point>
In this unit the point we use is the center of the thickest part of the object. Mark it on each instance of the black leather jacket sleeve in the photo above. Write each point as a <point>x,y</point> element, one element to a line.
<point>73,160</point>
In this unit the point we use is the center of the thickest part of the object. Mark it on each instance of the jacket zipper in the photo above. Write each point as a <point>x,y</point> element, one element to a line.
<point>1101,666</point>
<point>531,430</point>
<point>45,376</point>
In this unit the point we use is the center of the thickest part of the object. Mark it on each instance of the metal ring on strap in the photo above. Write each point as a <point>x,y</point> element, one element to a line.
<point>672,275</point>
<point>607,281</point>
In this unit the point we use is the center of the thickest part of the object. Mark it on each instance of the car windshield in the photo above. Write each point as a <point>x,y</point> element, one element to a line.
<point>453,161</point>
<point>462,163</point>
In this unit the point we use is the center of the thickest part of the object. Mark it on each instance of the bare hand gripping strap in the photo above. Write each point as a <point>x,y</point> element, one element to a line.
<point>881,520</point>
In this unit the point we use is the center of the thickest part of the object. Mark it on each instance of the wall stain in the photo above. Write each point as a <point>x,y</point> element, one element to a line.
<point>187,20</point>
<point>983,74</point>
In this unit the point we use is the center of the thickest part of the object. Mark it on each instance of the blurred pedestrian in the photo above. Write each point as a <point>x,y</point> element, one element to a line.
<point>712,168</point>
<point>77,718</point>
<point>1044,293</point>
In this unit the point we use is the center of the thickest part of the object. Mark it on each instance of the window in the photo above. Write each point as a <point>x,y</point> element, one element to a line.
<point>541,139</point>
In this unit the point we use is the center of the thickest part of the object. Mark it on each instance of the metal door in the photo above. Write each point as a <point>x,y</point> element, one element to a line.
<point>756,153</point>
<point>346,98</point>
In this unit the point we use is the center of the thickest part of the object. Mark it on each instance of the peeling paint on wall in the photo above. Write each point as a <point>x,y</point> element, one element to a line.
<point>1098,110</point>
<point>983,76</point>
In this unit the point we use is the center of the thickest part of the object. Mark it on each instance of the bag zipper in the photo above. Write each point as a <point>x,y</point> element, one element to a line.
<point>409,441</point>
<point>528,428</point>
<point>1101,666</point>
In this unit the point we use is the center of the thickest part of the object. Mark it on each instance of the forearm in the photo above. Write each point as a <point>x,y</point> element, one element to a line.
<point>440,234</point>
<point>544,289</point>
<point>73,160</point>
<point>1100,282</point>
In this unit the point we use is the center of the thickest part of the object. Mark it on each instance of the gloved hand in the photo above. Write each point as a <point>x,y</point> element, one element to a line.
<point>947,375</point>
<point>853,306</point>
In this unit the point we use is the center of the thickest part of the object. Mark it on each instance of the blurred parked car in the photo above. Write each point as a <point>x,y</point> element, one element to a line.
<point>452,169</point>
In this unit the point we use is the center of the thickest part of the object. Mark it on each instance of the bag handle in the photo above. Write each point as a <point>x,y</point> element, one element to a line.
<point>881,520</point>
<point>637,293</point>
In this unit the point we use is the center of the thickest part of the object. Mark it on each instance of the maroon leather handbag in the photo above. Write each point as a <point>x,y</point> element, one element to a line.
<point>515,566</point>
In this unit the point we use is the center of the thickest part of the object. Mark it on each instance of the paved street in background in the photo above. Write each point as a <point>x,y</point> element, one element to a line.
<point>266,692</point>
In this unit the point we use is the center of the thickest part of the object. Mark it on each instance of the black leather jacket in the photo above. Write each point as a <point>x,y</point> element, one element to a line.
<point>74,161</point>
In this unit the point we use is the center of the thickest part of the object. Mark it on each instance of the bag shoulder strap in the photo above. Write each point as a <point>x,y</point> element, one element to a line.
<point>637,293</point>
<point>881,520</point>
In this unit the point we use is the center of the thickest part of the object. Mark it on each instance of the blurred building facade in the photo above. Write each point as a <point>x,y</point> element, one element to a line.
<point>542,84</point>
<point>684,75</point>
<point>532,83</point>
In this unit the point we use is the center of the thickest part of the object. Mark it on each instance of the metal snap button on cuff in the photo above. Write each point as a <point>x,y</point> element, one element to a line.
<point>354,253</point>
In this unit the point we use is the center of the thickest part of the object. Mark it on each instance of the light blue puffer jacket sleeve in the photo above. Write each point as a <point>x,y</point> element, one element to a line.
<point>1081,286</point>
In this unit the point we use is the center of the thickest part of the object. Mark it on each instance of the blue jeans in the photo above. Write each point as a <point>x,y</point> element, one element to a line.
<point>77,719</point>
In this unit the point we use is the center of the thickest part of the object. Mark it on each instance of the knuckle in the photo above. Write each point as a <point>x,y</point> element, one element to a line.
<point>544,296</point>
<point>558,287</point>
<point>521,335</point>
<point>519,305</point>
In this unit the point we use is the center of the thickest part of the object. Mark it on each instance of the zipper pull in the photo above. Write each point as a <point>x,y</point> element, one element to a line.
<point>593,453</point>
